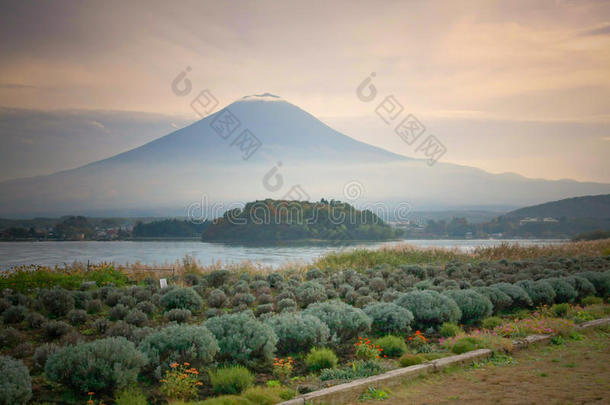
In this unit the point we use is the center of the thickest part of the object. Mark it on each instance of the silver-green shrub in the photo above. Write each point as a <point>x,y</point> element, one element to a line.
<point>344,321</point>
<point>583,287</point>
<point>136,317</point>
<point>15,382</point>
<point>389,318</point>
<point>473,305</point>
<point>216,298</point>
<point>14,314</point>
<point>499,299</point>
<point>601,281</point>
<point>242,338</point>
<point>118,312</point>
<point>185,298</point>
<point>310,292</point>
<point>77,316</point>
<point>56,301</point>
<point>429,308</point>
<point>179,343</point>
<point>520,297</point>
<point>540,291</point>
<point>101,365</point>
<point>286,304</point>
<point>178,315</point>
<point>564,292</point>
<point>298,332</point>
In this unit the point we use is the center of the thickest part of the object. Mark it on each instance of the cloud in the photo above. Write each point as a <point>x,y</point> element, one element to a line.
<point>603,29</point>
<point>15,86</point>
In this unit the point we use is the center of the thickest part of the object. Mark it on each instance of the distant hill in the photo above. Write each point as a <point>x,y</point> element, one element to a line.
<point>594,206</point>
<point>281,220</point>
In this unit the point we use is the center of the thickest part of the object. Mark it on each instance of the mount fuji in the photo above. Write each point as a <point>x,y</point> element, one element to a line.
<point>265,147</point>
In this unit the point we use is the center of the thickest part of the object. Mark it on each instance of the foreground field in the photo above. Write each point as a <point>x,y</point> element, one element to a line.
<point>575,372</point>
<point>241,336</point>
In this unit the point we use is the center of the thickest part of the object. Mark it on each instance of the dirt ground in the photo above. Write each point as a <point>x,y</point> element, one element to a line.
<point>577,372</point>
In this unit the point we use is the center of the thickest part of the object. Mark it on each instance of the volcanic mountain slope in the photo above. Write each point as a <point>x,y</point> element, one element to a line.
<point>264,147</point>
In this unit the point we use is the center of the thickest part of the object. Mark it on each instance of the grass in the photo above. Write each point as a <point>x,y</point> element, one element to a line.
<point>577,371</point>
<point>72,275</point>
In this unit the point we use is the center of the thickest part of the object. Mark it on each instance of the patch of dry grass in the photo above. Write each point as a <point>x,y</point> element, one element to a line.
<point>575,373</point>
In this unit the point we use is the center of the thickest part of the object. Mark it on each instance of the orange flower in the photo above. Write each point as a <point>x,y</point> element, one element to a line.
<point>90,401</point>
<point>187,364</point>
<point>173,365</point>
<point>91,393</point>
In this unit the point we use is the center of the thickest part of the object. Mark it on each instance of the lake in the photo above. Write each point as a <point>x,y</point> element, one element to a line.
<point>168,252</point>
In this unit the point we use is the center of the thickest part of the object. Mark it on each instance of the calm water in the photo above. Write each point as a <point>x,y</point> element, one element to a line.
<point>168,252</point>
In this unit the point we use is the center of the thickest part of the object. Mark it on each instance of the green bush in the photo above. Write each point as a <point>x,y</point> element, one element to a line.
<point>560,310</point>
<point>55,329</point>
<point>519,297</point>
<point>601,281</point>
<point>136,317</point>
<point>540,291</point>
<point>146,306</point>
<point>34,320</point>
<point>93,306</point>
<point>217,278</point>
<point>389,318</point>
<point>393,346</point>
<point>179,343</point>
<point>358,369</point>
<point>178,315</point>
<point>118,312</point>
<point>297,332</point>
<point>430,308</point>
<point>499,299</point>
<point>101,365</point>
<point>491,322</point>
<point>463,345</point>
<point>57,301</point>
<point>10,337</point>
<point>243,299</point>
<point>14,314</point>
<point>42,353</point>
<point>268,395</point>
<point>582,286</point>
<point>231,380</point>
<point>185,298</point>
<point>321,358</point>
<point>344,321</point>
<point>286,304</point>
<point>409,359</point>
<point>474,306</point>
<point>449,329</point>
<point>310,292</point>
<point>225,400</point>
<point>592,300</point>
<point>564,292</point>
<point>15,382</point>
<point>216,298</point>
<point>242,338</point>
<point>131,396</point>
<point>77,316</point>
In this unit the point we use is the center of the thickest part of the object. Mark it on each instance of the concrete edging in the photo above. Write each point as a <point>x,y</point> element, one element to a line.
<point>352,390</point>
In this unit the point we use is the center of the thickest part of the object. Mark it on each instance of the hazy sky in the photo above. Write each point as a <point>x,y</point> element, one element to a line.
<point>519,86</point>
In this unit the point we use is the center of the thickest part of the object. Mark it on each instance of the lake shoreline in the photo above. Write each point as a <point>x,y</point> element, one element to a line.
<point>156,253</point>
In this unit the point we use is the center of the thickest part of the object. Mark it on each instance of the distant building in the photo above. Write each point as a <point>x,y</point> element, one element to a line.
<point>534,220</point>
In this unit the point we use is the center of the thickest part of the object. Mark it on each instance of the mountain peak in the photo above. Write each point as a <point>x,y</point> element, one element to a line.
<point>262,97</point>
